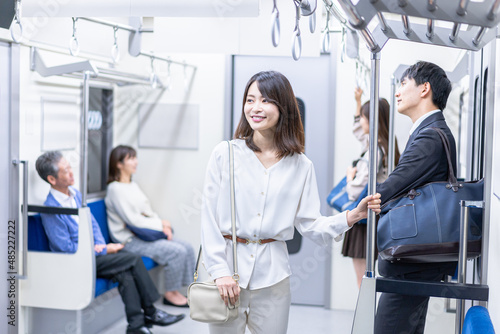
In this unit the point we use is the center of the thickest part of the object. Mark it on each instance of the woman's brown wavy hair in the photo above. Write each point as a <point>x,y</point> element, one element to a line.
<point>289,135</point>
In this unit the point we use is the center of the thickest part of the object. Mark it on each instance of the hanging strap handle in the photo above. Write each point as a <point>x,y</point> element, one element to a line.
<point>446,144</point>
<point>235,276</point>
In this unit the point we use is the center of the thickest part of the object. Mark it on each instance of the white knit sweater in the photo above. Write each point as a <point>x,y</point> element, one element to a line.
<point>126,204</point>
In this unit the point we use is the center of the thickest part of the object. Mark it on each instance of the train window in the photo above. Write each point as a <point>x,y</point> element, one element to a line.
<point>453,114</point>
<point>100,138</point>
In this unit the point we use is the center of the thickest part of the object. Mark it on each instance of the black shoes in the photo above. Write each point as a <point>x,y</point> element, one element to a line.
<point>160,318</point>
<point>141,330</point>
<point>167,302</point>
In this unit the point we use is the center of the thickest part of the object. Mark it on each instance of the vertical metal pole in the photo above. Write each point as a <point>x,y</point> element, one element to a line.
<point>479,36</point>
<point>406,24</point>
<point>392,139</point>
<point>493,10</point>
<point>454,32</point>
<point>430,29</point>
<point>372,178</point>
<point>84,128</point>
<point>431,5</point>
<point>462,263</point>
<point>462,7</point>
<point>383,23</point>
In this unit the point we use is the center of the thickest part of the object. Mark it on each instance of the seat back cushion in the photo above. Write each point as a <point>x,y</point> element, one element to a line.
<point>37,239</point>
<point>102,285</point>
<point>98,209</point>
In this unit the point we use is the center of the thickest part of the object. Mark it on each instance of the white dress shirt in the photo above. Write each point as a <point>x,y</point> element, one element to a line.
<point>421,119</point>
<point>66,201</point>
<point>269,203</point>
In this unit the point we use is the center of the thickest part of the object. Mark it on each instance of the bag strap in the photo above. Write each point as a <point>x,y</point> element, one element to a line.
<point>235,276</point>
<point>197,266</point>
<point>446,144</point>
<point>381,160</point>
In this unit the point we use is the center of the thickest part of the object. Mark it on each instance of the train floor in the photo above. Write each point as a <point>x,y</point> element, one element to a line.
<point>303,319</point>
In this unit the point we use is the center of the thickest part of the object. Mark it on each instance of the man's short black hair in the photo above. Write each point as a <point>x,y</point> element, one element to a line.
<point>423,72</point>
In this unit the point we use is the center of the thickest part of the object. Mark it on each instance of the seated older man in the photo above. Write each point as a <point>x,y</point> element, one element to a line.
<point>135,286</point>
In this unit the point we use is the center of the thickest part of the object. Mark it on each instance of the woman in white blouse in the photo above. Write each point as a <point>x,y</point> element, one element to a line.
<point>275,190</point>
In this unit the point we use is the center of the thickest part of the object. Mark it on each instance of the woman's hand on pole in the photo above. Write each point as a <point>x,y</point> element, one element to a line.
<point>371,202</point>
<point>229,289</point>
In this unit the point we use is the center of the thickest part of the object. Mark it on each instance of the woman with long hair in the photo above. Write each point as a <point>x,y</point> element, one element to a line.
<point>357,176</point>
<point>275,190</point>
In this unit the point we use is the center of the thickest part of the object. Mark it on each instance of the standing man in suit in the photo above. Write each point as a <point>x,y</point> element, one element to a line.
<point>422,96</point>
<point>136,288</point>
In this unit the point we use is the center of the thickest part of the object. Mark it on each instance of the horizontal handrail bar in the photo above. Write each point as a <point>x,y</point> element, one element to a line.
<point>52,210</point>
<point>433,289</point>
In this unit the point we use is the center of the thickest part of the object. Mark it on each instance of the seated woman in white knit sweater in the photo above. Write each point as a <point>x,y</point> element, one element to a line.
<point>133,223</point>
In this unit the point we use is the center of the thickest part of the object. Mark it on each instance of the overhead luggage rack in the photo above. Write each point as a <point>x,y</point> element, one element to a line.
<point>481,20</point>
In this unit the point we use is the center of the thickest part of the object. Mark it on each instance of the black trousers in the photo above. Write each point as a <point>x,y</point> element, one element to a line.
<point>136,288</point>
<point>404,314</point>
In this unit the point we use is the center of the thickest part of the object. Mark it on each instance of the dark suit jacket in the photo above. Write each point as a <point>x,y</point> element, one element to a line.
<point>423,161</point>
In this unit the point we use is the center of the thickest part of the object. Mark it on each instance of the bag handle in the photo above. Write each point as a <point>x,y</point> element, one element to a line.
<point>446,144</point>
<point>235,276</point>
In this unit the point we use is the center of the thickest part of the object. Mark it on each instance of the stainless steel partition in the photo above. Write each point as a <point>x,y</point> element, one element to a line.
<point>372,178</point>
<point>9,192</point>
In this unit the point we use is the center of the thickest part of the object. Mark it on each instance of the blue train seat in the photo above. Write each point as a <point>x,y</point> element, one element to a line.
<point>37,241</point>
<point>98,209</point>
<point>477,321</point>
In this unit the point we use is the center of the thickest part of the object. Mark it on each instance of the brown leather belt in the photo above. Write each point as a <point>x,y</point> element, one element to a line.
<point>248,241</point>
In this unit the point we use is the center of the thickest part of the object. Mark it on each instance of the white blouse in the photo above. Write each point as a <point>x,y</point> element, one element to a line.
<point>269,203</point>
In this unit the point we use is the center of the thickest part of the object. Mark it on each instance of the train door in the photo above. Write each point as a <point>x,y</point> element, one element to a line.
<point>480,149</point>
<point>310,263</point>
<point>11,234</point>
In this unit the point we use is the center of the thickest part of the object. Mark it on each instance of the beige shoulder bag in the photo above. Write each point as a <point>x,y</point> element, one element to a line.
<point>204,299</point>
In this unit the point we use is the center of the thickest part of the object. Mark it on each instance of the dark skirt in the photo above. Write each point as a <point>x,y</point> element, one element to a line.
<point>355,242</point>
